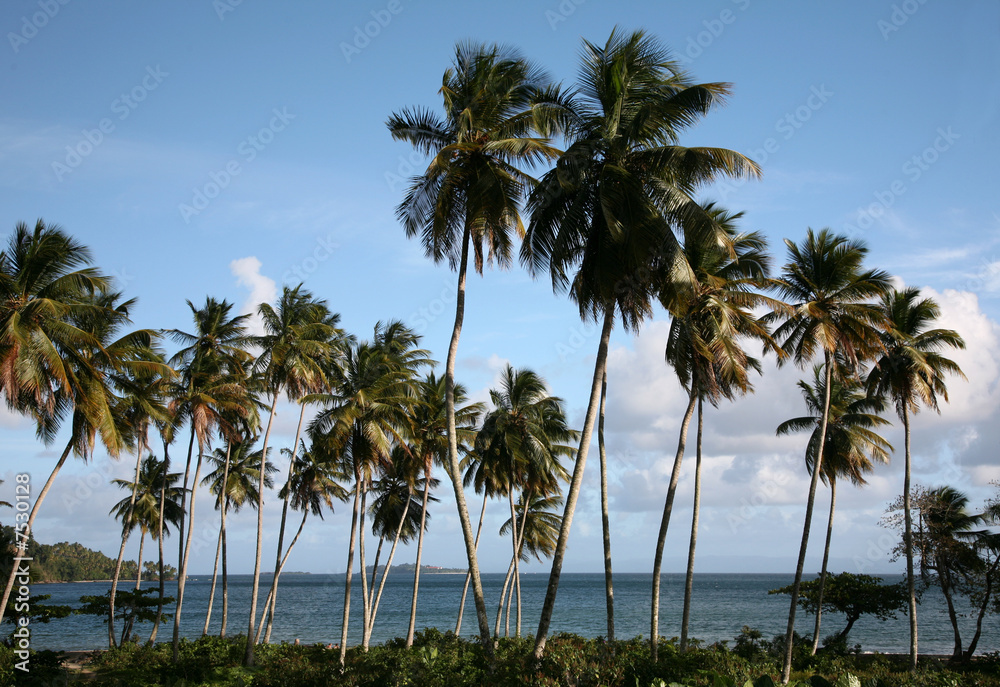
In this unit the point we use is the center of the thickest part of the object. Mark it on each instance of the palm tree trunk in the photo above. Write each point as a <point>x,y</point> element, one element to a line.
<point>503,597</point>
<point>526,496</point>
<point>370,596</point>
<point>248,656</point>
<point>284,560</point>
<point>826,562</point>
<point>786,669</point>
<point>908,541</point>
<point>452,464</point>
<point>215,577</point>
<point>420,549</point>
<point>182,568</point>
<point>224,496</point>
<point>689,578</point>
<point>22,537</point>
<point>468,575</point>
<point>121,551</point>
<point>225,577</point>
<point>574,487</point>
<point>159,542</point>
<point>365,608</point>
<point>138,574</point>
<point>517,558</point>
<point>181,539</point>
<point>273,594</point>
<point>350,567</point>
<point>668,507</point>
<point>609,589</point>
<point>377,598</point>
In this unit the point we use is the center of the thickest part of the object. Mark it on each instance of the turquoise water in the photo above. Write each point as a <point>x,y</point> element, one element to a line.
<point>310,608</point>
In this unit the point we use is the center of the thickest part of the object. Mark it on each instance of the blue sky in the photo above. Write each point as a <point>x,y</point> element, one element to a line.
<point>223,148</point>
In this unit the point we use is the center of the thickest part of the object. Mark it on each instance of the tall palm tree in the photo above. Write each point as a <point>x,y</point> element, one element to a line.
<point>235,481</point>
<point>365,415</point>
<point>429,441</point>
<point>712,317</point>
<point>302,341</point>
<point>601,220</point>
<point>212,391</point>
<point>522,436</point>
<point>829,295</point>
<point>852,446</point>
<point>98,365</point>
<point>911,372</point>
<point>470,193</point>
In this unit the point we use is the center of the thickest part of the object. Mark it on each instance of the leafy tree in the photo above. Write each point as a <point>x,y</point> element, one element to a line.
<point>911,372</point>
<point>601,221</point>
<point>854,596</point>
<point>131,607</point>
<point>470,195</point>
<point>828,293</point>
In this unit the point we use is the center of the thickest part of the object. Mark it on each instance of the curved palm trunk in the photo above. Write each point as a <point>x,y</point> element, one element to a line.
<point>468,575</point>
<point>452,464</point>
<point>248,656</point>
<point>503,597</point>
<point>182,568</point>
<point>377,597</point>
<point>211,593</point>
<point>689,578</point>
<point>22,537</point>
<point>908,542</point>
<point>378,557</point>
<point>365,607</point>
<point>786,669</point>
<point>281,567</point>
<point>225,577</point>
<point>420,549</point>
<point>517,558</point>
<point>121,552</point>
<point>159,543</point>
<point>574,487</point>
<point>138,574</point>
<point>826,562</point>
<point>350,564</point>
<point>609,589</point>
<point>181,541</point>
<point>273,593</point>
<point>668,507</point>
<point>526,496</point>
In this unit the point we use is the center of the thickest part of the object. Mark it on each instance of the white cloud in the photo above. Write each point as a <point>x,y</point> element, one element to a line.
<point>262,289</point>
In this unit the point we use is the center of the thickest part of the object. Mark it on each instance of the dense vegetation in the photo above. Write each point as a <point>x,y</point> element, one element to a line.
<point>442,660</point>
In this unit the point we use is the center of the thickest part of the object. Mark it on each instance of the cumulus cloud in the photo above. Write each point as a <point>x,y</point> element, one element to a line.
<point>262,288</point>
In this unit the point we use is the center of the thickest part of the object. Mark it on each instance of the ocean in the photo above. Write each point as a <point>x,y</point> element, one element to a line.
<point>310,608</point>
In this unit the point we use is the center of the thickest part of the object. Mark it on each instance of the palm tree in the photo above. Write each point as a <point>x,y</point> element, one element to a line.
<point>601,220</point>
<point>366,415</point>
<point>302,341</point>
<point>142,508</point>
<point>470,193</point>
<point>144,401</point>
<point>712,316</point>
<point>829,296</point>
<point>235,481</point>
<point>98,364</point>
<point>522,438</point>
<point>214,389</point>
<point>429,441</point>
<point>852,445</point>
<point>911,372</point>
